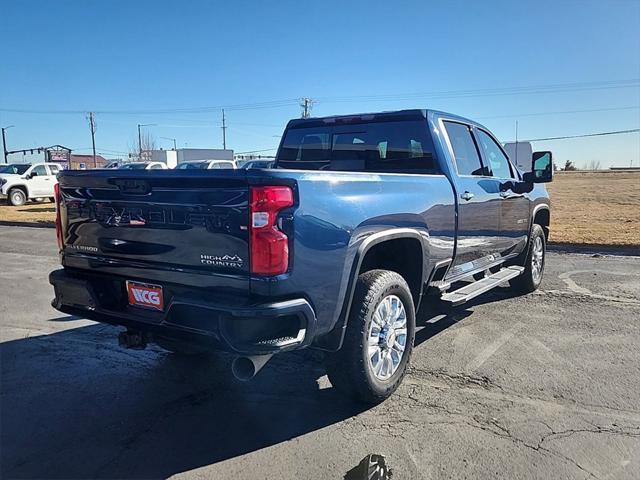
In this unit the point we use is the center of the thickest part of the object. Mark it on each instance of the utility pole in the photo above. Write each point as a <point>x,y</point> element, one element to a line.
<point>140,138</point>
<point>224,132</point>
<point>306,104</point>
<point>4,143</point>
<point>92,126</point>
<point>516,142</point>
<point>173,140</point>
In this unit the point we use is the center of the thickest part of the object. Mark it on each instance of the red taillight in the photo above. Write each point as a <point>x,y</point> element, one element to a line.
<point>56,193</point>
<point>269,246</point>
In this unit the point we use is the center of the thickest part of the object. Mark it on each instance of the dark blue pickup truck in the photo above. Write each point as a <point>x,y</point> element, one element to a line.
<point>361,219</point>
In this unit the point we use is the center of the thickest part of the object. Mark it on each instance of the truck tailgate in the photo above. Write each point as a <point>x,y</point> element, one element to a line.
<point>191,222</point>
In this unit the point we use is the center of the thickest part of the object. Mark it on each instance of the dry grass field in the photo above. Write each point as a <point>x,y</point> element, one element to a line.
<point>595,208</point>
<point>44,213</point>
<point>591,208</point>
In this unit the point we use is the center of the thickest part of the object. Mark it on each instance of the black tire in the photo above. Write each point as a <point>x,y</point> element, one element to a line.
<point>183,349</point>
<point>531,278</point>
<point>350,370</point>
<point>17,197</point>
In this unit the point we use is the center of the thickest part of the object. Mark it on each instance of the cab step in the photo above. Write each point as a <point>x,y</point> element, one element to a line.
<point>466,293</point>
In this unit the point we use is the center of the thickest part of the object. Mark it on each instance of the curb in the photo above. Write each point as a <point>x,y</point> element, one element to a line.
<point>596,249</point>
<point>5,223</point>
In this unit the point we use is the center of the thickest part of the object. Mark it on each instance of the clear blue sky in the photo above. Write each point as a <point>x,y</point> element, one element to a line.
<point>137,56</point>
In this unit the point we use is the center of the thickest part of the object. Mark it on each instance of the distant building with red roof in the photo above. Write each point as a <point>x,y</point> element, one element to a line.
<point>85,162</point>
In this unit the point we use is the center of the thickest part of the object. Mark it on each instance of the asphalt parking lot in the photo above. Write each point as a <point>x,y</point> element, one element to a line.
<point>543,386</point>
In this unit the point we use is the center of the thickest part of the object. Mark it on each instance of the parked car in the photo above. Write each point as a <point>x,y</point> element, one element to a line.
<point>14,168</point>
<point>363,218</point>
<point>22,182</point>
<point>258,164</point>
<point>143,166</point>
<point>207,165</point>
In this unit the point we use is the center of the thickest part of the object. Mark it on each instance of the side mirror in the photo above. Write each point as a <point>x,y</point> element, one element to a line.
<point>541,168</point>
<point>28,176</point>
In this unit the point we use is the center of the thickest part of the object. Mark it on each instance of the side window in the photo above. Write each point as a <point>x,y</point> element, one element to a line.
<point>493,156</point>
<point>464,149</point>
<point>39,170</point>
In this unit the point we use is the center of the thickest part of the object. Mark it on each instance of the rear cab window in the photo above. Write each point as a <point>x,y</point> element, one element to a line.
<point>403,146</point>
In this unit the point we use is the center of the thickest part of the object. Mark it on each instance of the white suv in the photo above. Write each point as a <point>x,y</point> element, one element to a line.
<point>143,166</point>
<point>207,165</point>
<point>20,182</point>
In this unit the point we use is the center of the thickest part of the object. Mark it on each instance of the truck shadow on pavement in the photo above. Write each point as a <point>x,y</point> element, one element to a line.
<point>75,405</point>
<point>435,317</point>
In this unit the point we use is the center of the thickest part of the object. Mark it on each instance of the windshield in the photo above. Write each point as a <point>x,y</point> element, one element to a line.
<point>18,169</point>
<point>193,165</point>
<point>399,146</point>
<point>134,166</point>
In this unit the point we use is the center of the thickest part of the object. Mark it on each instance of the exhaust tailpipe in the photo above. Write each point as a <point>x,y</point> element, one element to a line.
<point>245,368</point>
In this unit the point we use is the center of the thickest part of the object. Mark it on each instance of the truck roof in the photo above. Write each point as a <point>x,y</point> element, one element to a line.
<point>388,116</point>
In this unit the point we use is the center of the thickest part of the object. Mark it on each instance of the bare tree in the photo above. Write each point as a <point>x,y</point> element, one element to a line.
<point>147,143</point>
<point>594,165</point>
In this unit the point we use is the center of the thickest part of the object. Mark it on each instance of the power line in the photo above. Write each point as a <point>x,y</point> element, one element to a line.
<point>106,150</point>
<point>522,90</point>
<point>242,106</point>
<point>591,110</point>
<point>599,134</point>
<point>257,151</point>
<point>518,90</point>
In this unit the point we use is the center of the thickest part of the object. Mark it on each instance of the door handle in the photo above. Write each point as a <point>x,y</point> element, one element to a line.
<point>466,196</point>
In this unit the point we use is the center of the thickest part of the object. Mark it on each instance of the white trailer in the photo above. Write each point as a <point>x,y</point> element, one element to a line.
<point>521,154</point>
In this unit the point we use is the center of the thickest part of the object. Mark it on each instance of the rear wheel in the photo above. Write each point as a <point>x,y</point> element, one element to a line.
<point>379,338</point>
<point>533,264</point>
<point>17,197</point>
